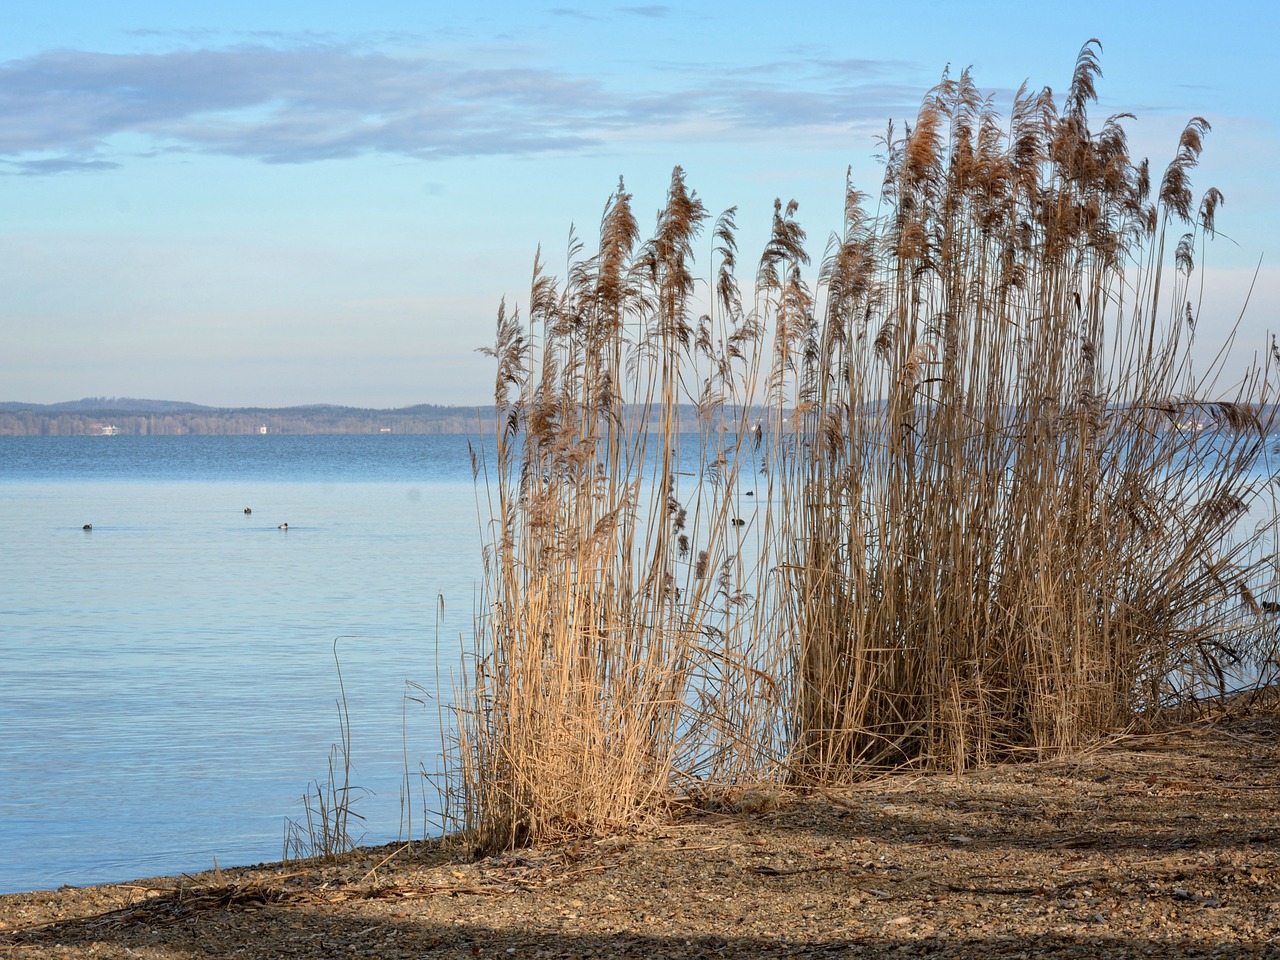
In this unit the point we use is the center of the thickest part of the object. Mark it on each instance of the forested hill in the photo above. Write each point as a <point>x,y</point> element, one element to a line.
<point>130,417</point>
<point>104,416</point>
<point>125,416</point>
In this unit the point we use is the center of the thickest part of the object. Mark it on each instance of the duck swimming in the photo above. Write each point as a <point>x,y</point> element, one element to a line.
<point>283,526</point>
<point>87,526</point>
<point>248,510</point>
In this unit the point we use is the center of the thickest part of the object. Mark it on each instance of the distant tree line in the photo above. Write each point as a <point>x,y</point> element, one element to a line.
<point>87,418</point>
<point>35,422</point>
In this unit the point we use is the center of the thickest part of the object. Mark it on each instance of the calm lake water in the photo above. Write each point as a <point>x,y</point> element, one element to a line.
<point>167,680</point>
<point>168,690</point>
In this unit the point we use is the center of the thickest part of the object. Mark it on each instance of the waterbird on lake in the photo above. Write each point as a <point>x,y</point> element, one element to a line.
<point>248,510</point>
<point>87,526</point>
<point>283,526</point>
<point>738,521</point>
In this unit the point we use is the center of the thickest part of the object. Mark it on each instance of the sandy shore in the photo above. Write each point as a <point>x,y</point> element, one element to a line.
<point>1153,846</point>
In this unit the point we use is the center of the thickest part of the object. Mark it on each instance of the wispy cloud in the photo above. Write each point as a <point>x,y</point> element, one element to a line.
<point>60,110</point>
<point>48,165</point>
<point>573,13</point>
<point>654,11</point>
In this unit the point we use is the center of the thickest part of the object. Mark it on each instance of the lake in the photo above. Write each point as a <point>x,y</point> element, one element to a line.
<point>168,688</point>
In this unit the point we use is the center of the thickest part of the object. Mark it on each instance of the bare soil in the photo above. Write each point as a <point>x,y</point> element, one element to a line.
<point>1164,845</point>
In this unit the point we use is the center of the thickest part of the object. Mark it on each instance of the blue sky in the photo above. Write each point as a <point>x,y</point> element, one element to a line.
<point>286,203</point>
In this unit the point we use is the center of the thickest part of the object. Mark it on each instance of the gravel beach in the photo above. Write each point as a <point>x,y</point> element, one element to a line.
<point>1160,845</point>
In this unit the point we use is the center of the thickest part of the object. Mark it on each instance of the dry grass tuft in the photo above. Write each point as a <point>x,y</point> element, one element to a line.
<point>994,511</point>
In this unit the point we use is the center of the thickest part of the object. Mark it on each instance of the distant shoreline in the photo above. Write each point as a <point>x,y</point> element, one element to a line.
<point>128,417</point>
<point>87,418</point>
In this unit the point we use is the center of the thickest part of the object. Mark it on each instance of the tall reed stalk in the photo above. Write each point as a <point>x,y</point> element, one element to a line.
<point>1009,524</point>
<point>613,629</point>
<point>952,505</point>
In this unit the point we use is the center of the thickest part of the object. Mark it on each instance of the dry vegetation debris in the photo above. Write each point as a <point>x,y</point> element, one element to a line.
<point>1164,845</point>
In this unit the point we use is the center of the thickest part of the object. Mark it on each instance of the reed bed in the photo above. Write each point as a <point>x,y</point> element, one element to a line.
<point>961,498</point>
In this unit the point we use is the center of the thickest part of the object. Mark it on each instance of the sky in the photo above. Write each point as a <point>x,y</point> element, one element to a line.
<point>283,203</point>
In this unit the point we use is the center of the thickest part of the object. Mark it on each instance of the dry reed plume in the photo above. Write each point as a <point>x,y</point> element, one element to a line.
<point>949,505</point>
